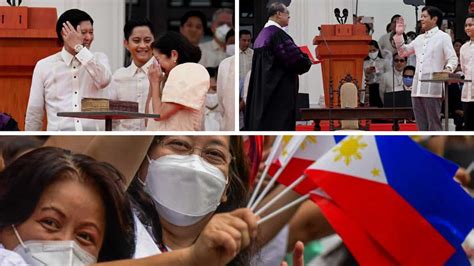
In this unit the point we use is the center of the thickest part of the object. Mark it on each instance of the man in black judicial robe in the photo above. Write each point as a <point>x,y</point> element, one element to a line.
<point>273,87</point>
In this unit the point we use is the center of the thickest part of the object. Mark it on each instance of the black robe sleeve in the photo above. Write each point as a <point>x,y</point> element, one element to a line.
<point>289,55</point>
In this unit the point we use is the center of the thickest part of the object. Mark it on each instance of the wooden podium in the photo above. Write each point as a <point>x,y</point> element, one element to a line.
<point>342,49</point>
<point>26,35</point>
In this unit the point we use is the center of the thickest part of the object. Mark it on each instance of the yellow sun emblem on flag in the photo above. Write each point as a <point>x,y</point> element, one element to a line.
<point>307,141</point>
<point>349,148</point>
<point>286,139</point>
<point>375,172</point>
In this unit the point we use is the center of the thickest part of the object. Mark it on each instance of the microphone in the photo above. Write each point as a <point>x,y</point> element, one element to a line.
<point>337,13</point>
<point>345,14</point>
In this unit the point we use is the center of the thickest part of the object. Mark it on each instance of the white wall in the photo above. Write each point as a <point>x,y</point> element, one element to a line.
<point>109,19</point>
<point>308,15</point>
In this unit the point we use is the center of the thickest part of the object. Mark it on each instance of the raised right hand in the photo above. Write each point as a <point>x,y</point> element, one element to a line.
<point>71,36</point>
<point>224,237</point>
<point>400,26</point>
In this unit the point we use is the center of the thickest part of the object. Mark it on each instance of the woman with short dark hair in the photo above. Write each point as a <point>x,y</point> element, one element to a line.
<point>57,207</point>
<point>178,85</point>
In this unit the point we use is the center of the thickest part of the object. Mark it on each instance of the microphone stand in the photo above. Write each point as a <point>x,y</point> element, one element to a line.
<point>416,13</point>
<point>395,123</point>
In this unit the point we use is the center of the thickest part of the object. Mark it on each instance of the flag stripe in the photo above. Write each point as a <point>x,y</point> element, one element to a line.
<point>430,189</point>
<point>363,247</point>
<point>389,218</point>
<point>293,170</point>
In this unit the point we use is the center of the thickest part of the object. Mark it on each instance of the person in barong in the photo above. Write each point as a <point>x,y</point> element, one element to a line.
<point>273,88</point>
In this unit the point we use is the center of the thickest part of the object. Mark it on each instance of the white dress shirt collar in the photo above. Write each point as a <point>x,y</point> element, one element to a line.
<point>66,56</point>
<point>247,51</point>
<point>134,68</point>
<point>272,23</point>
<point>431,32</point>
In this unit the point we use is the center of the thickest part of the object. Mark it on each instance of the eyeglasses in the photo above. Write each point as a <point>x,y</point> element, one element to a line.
<point>405,76</point>
<point>399,60</point>
<point>214,155</point>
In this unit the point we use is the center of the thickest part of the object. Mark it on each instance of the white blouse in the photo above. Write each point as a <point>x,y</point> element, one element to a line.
<point>433,51</point>
<point>467,65</point>
<point>381,67</point>
<point>144,246</point>
<point>10,258</point>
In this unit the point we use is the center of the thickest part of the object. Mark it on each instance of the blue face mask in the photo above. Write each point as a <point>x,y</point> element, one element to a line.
<point>407,81</point>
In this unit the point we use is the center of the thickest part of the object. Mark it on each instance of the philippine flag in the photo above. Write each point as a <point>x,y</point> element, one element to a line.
<point>299,153</point>
<point>362,245</point>
<point>254,148</point>
<point>402,195</point>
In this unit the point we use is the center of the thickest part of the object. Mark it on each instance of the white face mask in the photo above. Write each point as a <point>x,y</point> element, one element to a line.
<point>374,55</point>
<point>230,49</point>
<point>186,187</point>
<point>36,252</point>
<point>211,100</point>
<point>222,31</point>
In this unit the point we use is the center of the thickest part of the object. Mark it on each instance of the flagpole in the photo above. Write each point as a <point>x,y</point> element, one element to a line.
<point>288,206</point>
<point>267,188</point>
<point>265,171</point>
<point>281,194</point>
<point>470,167</point>
<point>278,173</point>
<point>259,184</point>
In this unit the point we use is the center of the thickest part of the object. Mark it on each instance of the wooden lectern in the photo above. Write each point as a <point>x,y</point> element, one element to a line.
<point>26,35</point>
<point>342,49</point>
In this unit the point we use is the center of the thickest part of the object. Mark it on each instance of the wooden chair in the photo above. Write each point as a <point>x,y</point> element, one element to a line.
<point>349,94</point>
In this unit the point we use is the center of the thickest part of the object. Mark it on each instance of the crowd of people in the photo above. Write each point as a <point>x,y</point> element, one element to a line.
<point>169,75</point>
<point>91,206</point>
<point>167,199</point>
<point>398,61</point>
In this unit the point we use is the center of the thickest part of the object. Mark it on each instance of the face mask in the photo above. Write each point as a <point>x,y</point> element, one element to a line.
<point>374,55</point>
<point>185,187</point>
<point>408,81</point>
<point>230,49</point>
<point>38,252</point>
<point>211,100</point>
<point>222,31</point>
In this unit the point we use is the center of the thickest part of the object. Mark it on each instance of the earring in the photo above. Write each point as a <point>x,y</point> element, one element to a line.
<point>174,61</point>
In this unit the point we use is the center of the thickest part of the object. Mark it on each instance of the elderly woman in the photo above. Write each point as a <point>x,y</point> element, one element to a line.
<point>178,85</point>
